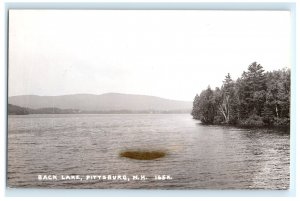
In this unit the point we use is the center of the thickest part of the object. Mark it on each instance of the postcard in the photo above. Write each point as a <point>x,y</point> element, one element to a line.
<point>148,99</point>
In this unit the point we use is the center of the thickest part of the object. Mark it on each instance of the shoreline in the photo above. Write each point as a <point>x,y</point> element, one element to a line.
<point>251,127</point>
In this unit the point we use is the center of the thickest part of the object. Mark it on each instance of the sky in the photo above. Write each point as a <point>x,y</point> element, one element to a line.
<point>170,54</point>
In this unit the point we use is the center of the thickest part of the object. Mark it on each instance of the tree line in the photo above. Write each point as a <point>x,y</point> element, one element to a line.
<point>17,110</point>
<point>255,99</point>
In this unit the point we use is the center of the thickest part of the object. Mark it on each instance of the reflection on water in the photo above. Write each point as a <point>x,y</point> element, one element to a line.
<point>198,157</point>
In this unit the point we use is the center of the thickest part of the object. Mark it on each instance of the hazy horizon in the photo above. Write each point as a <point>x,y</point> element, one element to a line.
<point>103,102</point>
<point>100,95</point>
<point>163,53</point>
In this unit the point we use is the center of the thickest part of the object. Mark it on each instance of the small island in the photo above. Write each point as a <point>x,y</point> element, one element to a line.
<point>256,99</point>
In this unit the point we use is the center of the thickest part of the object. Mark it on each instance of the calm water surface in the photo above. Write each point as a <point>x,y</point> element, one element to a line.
<point>198,156</point>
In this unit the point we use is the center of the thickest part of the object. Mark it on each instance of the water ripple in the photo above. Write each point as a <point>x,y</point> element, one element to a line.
<point>198,157</point>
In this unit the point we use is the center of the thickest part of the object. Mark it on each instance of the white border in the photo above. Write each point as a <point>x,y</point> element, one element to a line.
<point>62,193</point>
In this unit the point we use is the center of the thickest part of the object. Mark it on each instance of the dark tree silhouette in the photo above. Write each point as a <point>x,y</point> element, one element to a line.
<point>257,98</point>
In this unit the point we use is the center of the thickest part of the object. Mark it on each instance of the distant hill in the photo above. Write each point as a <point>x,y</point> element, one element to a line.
<point>105,102</point>
<point>17,110</point>
<point>13,109</point>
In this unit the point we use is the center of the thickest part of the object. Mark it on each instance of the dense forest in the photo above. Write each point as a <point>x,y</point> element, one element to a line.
<point>256,99</point>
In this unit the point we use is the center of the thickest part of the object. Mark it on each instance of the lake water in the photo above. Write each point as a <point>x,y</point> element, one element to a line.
<point>198,156</point>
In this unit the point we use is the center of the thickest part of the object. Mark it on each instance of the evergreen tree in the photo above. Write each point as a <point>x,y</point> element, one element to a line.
<point>253,89</point>
<point>196,107</point>
<point>204,106</point>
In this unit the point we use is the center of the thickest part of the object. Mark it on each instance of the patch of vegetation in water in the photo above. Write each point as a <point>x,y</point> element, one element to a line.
<point>143,155</point>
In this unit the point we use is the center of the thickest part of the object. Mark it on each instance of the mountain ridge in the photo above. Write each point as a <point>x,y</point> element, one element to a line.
<point>103,102</point>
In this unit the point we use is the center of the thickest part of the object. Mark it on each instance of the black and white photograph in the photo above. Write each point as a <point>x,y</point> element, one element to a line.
<point>149,99</point>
